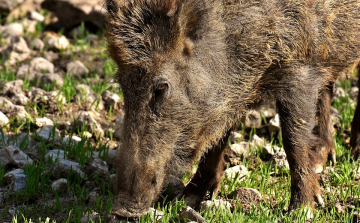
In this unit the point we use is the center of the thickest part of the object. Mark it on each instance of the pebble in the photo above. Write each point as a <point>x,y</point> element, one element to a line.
<point>59,185</point>
<point>252,119</point>
<point>280,159</point>
<point>37,44</point>
<point>235,137</point>
<point>55,155</point>
<point>12,30</point>
<point>4,120</point>
<point>42,65</point>
<point>33,15</point>
<point>12,155</point>
<point>17,51</point>
<point>65,167</point>
<point>16,179</point>
<point>76,68</point>
<point>47,132</point>
<point>239,171</point>
<point>40,122</point>
<point>274,124</point>
<point>110,99</point>
<point>188,213</point>
<point>51,78</point>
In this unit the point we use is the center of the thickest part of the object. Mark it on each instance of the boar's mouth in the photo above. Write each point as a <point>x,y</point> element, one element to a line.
<point>127,208</point>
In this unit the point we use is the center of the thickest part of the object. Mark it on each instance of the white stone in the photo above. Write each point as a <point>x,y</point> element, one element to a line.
<point>42,65</point>
<point>240,171</point>
<point>40,122</point>
<point>55,155</point>
<point>274,124</point>
<point>12,30</point>
<point>33,15</point>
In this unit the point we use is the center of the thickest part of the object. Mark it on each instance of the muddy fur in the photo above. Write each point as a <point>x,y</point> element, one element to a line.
<point>189,69</point>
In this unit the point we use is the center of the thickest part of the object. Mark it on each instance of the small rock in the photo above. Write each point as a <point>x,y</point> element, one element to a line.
<point>16,179</point>
<point>59,185</point>
<point>93,217</point>
<point>188,213</point>
<point>13,88</point>
<point>23,71</point>
<point>271,150</point>
<point>339,93</point>
<point>20,99</point>
<point>73,139</point>
<point>239,171</point>
<point>91,38</point>
<point>29,25</point>
<point>33,15</point>
<point>214,204</point>
<point>339,208</point>
<point>50,78</point>
<point>12,155</point>
<point>76,68</point>
<point>51,56</point>
<point>57,43</point>
<point>353,92</point>
<point>280,159</point>
<point>252,119</point>
<point>92,197</point>
<point>65,167</point>
<point>40,122</point>
<point>235,137</point>
<point>246,197</point>
<point>37,44</point>
<point>85,89</point>
<point>84,119</point>
<point>12,30</point>
<point>17,51</point>
<point>23,138</point>
<point>3,120</point>
<point>274,124</point>
<point>55,155</point>
<point>98,168</point>
<point>42,65</point>
<point>8,5</point>
<point>88,98</point>
<point>256,141</point>
<point>110,99</point>
<point>155,215</point>
<point>268,112</point>
<point>47,132</point>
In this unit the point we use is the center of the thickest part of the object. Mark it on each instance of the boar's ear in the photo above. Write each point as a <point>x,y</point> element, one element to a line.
<point>169,7</point>
<point>112,6</point>
<point>193,18</point>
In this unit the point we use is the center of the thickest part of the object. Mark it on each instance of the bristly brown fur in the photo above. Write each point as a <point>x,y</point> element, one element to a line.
<point>190,68</point>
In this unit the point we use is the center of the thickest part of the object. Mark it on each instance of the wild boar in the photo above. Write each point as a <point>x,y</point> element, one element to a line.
<point>189,69</point>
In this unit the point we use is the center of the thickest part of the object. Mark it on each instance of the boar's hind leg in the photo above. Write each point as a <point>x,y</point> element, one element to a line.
<point>355,126</point>
<point>208,176</point>
<point>297,95</point>
<point>326,149</point>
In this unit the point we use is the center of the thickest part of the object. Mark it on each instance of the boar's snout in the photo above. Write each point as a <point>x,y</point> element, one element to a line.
<point>128,208</point>
<point>138,185</point>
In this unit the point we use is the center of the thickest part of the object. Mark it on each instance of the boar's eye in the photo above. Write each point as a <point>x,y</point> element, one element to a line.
<point>161,88</point>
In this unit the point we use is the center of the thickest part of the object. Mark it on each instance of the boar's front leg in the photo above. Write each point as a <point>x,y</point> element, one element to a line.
<point>208,176</point>
<point>355,126</point>
<point>297,95</point>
